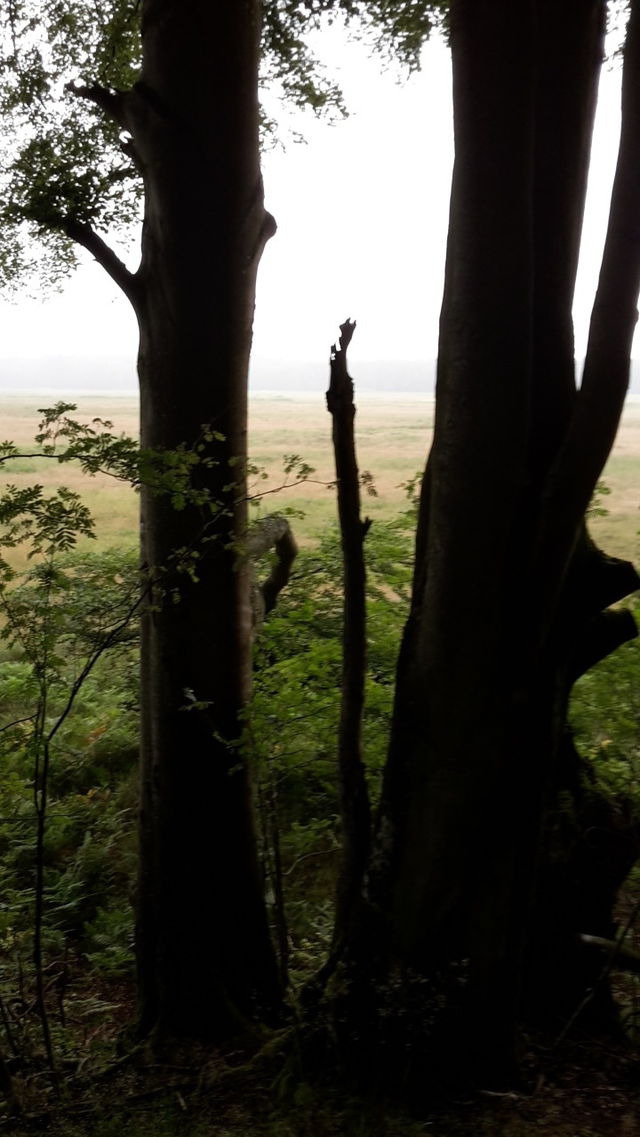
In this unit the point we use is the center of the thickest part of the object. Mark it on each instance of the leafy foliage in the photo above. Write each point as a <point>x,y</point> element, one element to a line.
<point>65,162</point>
<point>62,161</point>
<point>605,715</point>
<point>69,760</point>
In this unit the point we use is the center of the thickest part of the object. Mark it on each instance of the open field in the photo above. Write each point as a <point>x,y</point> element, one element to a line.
<point>393,435</point>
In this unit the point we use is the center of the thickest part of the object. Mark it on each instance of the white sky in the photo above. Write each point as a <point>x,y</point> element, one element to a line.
<point>362,220</point>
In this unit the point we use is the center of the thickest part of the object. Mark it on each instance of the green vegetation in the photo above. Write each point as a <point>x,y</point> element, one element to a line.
<point>480,903</point>
<point>57,615</point>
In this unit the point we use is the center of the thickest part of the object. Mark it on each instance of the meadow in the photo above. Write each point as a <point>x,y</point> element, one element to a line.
<point>393,435</point>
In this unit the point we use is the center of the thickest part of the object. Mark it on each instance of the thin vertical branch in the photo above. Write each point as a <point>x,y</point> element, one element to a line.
<point>41,807</point>
<point>40,793</point>
<point>282,927</point>
<point>43,741</point>
<point>354,798</point>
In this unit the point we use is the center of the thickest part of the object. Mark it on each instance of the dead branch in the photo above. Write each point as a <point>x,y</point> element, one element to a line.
<point>273,532</point>
<point>355,807</point>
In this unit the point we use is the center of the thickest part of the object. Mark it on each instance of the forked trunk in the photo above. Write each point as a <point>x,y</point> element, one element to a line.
<point>496,629</point>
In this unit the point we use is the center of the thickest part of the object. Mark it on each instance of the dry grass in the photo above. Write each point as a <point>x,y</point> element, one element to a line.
<point>393,437</point>
<point>113,504</point>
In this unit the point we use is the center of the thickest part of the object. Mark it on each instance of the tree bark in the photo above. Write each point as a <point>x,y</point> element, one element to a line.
<point>205,960</point>
<point>446,821</point>
<point>190,123</point>
<point>596,414</point>
<point>569,47</point>
<point>497,628</point>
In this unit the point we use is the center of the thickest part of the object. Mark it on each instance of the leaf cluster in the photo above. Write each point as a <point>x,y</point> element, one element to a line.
<point>63,161</point>
<point>605,713</point>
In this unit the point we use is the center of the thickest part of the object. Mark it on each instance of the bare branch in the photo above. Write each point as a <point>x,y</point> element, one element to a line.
<point>622,958</point>
<point>13,457</point>
<point>83,234</point>
<point>112,102</point>
<point>273,533</point>
<point>354,803</point>
<point>603,635</point>
<point>597,580</point>
<point>16,722</point>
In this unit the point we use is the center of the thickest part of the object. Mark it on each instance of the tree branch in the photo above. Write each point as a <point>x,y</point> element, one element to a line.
<point>602,636</point>
<point>273,533</point>
<point>596,580</point>
<point>83,234</point>
<point>354,804</point>
<point>112,102</point>
<point>621,958</point>
<point>592,430</point>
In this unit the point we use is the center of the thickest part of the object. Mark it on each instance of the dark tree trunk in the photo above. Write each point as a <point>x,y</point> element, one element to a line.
<point>573,586</point>
<point>447,825</point>
<point>508,590</point>
<point>204,954</point>
<point>569,47</point>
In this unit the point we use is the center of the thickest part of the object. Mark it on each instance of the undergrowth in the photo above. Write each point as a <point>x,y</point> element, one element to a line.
<point>67,840</point>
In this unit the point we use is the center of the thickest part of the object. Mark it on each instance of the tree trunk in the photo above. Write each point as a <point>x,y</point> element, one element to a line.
<point>205,959</point>
<point>447,824</point>
<point>507,585</point>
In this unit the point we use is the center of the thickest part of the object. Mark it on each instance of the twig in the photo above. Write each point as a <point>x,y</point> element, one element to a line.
<point>9,725</point>
<point>616,948</point>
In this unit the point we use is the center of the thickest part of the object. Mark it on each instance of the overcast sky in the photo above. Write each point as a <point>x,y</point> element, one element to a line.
<point>362,219</point>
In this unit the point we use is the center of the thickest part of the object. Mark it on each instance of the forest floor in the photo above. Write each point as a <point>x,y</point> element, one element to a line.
<point>579,1088</point>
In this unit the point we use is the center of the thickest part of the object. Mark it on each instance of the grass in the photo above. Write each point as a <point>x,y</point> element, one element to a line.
<point>393,434</point>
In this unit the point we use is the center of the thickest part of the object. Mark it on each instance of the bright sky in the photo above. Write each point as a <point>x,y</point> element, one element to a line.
<point>362,219</point>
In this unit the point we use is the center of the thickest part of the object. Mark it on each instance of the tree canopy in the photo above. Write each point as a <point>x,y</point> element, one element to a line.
<point>68,171</point>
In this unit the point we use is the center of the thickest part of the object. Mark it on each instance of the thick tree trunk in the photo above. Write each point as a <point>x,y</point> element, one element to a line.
<point>573,585</point>
<point>446,822</point>
<point>204,954</point>
<point>496,629</point>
